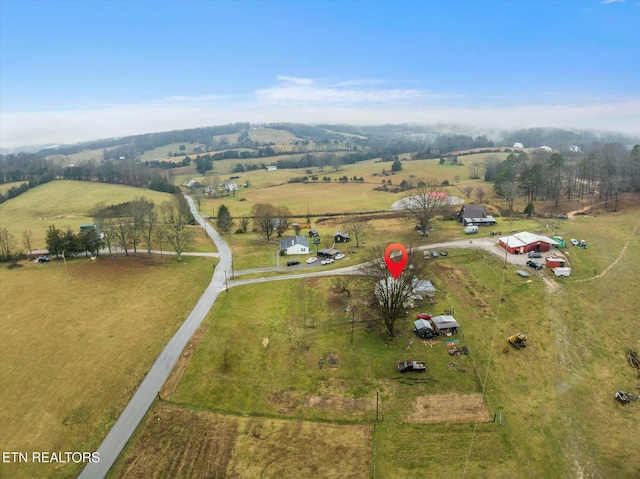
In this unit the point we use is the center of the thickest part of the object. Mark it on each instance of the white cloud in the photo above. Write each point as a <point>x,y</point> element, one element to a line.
<point>295,80</point>
<point>307,90</point>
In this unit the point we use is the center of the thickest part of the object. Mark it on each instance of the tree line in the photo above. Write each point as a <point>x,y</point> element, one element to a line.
<point>131,226</point>
<point>606,171</point>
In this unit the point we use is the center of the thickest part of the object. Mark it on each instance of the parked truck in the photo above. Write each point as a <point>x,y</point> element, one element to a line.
<point>415,366</point>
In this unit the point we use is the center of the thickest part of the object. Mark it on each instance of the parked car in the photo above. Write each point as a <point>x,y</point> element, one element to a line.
<point>327,261</point>
<point>424,316</point>
<point>534,254</point>
<point>434,254</point>
<point>312,260</point>
<point>339,256</point>
<point>534,264</point>
<point>407,366</point>
<point>293,262</point>
<point>42,259</point>
<point>582,244</point>
<point>470,230</point>
<point>574,242</point>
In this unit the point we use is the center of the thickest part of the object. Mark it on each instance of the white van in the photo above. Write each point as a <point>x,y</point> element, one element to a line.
<point>562,271</point>
<point>470,229</point>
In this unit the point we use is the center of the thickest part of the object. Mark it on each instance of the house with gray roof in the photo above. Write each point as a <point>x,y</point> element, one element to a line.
<point>295,245</point>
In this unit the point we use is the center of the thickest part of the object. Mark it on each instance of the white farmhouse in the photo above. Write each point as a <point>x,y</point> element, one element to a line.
<point>295,245</point>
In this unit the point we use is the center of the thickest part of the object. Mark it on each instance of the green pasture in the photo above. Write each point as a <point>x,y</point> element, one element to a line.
<point>163,151</point>
<point>5,187</point>
<point>547,395</point>
<point>76,339</point>
<point>335,196</point>
<point>65,204</point>
<point>270,135</point>
<point>96,156</point>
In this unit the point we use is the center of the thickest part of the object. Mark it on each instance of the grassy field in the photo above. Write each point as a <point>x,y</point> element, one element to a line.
<point>65,204</point>
<point>163,151</point>
<point>5,187</point>
<point>268,135</point>
<point>312,402</point>
<point>76,340</point>
<point>322,197</point>
<point>547,395</point>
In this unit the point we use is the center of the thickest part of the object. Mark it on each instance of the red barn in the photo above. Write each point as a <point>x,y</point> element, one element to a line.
<point>524,242</point>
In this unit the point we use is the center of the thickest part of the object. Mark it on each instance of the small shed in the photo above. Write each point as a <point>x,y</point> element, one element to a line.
<point>328,252</point>
<point>341,237</point>
<point>424,329</point>
<point>446,325</point>
<point>553,262</point>
<point>423,288</point>
<point>36,253</point>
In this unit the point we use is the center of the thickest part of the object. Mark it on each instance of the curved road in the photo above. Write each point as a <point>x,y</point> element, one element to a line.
<point>148,390</point>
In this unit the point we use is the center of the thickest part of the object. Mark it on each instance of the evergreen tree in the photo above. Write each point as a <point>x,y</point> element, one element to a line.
<point>224,222</point>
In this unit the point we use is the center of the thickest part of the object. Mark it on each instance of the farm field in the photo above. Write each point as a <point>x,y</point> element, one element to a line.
<point>65,203</point>
<point>5,187</point>
<point>545,395</point>
<point>76,340</point>
<point>334,197</point>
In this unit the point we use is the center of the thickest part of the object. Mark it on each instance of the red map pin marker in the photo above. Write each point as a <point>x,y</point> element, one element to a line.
<point>395,267</point>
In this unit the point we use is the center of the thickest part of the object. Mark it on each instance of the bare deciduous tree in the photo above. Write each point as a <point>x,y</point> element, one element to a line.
<point>358,229</point>
<point>389,297</point>
<point>264,215</point>
<point>27,239</point>
<point>175,226</point>
<point>6,244</point>
<point>342,284</point>
<point>423,206</point>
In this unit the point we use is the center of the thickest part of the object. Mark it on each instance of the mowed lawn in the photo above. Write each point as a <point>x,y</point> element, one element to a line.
<point>75,342</point>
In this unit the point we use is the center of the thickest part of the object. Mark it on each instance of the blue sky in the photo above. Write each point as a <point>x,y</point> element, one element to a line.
<point>81,70</point>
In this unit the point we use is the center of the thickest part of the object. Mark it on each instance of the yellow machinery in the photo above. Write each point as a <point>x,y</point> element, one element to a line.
<point>518,341</point>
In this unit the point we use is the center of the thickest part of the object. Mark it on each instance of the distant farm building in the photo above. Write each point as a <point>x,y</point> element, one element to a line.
<point>524,242</point>
<point>36,253</point>
<point>272,167</point>
<point>475,215</point>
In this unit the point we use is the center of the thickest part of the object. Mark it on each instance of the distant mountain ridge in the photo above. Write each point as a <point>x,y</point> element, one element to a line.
<point>443,138</point>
